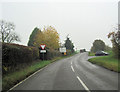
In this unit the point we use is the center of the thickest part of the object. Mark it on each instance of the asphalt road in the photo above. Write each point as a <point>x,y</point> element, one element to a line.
<point>73,73</point>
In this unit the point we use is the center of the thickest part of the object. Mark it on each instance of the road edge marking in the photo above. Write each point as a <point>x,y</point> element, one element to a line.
<point>83,84</point>
<point>27,78</point>
<point>34,74</point>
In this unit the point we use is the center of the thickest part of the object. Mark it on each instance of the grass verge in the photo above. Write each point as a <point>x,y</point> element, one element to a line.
<point>108,62</point>
<point>11,79</point>
<point>91,54</point>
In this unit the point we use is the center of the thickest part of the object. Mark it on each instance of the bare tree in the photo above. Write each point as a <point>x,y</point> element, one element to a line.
<point>6,32</point>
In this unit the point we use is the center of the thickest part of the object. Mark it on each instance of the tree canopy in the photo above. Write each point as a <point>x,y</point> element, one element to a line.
<point>69,45</point>
<point>98,45</point>
<point>115,39</point>
<point>48,36</point>
<point>32,36</point>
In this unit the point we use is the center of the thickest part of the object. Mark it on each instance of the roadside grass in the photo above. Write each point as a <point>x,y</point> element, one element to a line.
<point>91,54</point>
<point>15,77</point>
<point>108,62</point>
<point>11,79</point>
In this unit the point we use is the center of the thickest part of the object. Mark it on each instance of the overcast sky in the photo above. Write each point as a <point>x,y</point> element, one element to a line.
<point>84,20</point>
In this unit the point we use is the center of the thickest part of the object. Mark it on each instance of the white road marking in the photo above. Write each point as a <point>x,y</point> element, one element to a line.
<point>29,77</point>
<point>26,78</point>
<point>72,68</point>
<point>83,84</point>
<point>71,63</point>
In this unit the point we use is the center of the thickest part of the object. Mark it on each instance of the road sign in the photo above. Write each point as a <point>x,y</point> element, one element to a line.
<point>64,53</point>
<point>43,46</point>
<point>42,51</point>
<point>62,50</point>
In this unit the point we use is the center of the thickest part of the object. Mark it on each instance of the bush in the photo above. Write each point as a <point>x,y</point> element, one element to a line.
<point>50,54</point>
<point>69,52</point>
<point>116,50</point>
<point>16,56</point>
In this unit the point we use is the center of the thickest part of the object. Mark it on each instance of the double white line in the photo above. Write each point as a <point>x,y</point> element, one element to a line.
<point>83,84</point>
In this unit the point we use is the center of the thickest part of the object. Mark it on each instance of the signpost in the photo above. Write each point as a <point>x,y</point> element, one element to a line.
<point>42,46</point>
<point>63,50</point>
<point>43,49</point>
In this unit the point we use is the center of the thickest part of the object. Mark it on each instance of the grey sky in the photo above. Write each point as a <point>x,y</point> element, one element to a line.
<point>84,21</point>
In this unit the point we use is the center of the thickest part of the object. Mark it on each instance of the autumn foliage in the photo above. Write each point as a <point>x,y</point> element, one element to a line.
<point>48,36</point>
<point>115,39</point>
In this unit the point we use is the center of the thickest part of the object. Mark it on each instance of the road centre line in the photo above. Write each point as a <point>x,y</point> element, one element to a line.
<point>83,84</point>
<point>72,68</point>
<point>29,77</point>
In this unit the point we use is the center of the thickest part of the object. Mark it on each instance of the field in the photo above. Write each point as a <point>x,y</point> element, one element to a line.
<point>108,62</point>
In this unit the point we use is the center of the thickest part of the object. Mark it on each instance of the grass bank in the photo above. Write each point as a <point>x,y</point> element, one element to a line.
<point>108,62</point>
<point>11,79</point>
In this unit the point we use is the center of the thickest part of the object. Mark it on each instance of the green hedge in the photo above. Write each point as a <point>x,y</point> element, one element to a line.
<point>69,52</point>
<point>16,56</point>
<point>50,54</point>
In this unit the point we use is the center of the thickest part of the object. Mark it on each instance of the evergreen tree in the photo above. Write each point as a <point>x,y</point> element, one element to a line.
<point>32,36</point>
<point>69,45</point>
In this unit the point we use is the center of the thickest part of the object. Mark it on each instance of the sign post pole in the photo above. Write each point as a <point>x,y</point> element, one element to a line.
<point>43,56</point>
<point>63,51</point>
<point>43,49</point>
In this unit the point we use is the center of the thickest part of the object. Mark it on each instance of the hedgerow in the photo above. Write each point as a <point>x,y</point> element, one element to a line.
<point>16,56</point>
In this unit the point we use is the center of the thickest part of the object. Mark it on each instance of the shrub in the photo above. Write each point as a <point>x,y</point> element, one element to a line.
<point>50,54</point>
<point>69,52</point>
<point>16,56</point>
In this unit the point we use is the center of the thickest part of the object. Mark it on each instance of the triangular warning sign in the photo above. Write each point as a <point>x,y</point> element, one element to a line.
<point>42,46</point>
